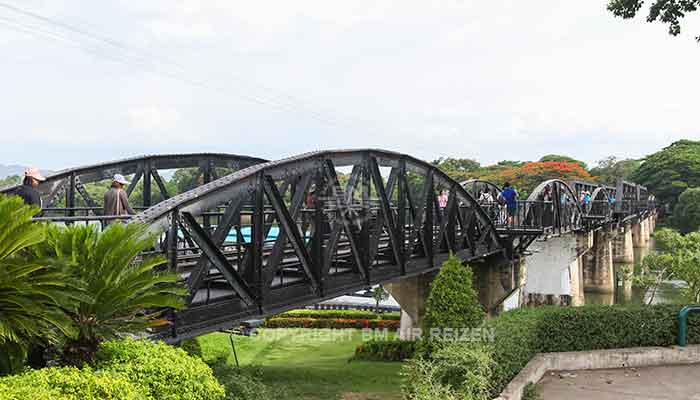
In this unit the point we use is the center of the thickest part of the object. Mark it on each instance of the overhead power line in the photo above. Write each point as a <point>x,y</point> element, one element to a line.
<point>105,47</point>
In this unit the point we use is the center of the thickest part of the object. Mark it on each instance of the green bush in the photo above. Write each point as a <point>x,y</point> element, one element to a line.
<point>385,350</point>
<point>191,347</point>
<point>339,314</point>
<point>453,302</point>
<point>68,383</point>
<point>161,371</point>
<point>325,323</point>
<point>459,370</point>
<point>532,392</point>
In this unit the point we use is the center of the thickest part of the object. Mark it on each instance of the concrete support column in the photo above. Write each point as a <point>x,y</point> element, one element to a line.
<point>647,230</point>
<point>598,272</point>
<point>489,279</point>
<point>638,236</point>
<point>411,294</point>
<point>623,246</point>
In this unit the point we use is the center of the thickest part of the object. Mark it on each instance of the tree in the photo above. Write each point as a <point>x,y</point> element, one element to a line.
<point>379,294</point>
<point>453,302</point>
<point>527,176</point>
<point>670,171</point>
<point>32,291</point>
<point>124,288</point>
<point>10,181</point>
<point>686,214</point>
<point>666,11</point>
<point>678,259</point>
<point>609,169</point>
<point>557,157</point>
<point>459,169</point>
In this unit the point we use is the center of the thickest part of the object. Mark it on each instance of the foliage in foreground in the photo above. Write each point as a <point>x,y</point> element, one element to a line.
<point>121,284</point>
<point>453,302</point>
<point>127,369</point>
<point>665,11</point>
<point>33,292</point>
<point>240,384</point>
<point>520,334</point>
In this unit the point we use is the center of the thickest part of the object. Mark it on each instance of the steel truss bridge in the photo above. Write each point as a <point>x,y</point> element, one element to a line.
<point>257,237</point>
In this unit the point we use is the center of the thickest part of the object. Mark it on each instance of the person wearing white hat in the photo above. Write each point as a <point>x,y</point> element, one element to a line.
<point>28,191</point>
<point>116,201</point>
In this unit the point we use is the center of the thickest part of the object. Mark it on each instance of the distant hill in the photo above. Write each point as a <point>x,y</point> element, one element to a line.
<point>10,170</point>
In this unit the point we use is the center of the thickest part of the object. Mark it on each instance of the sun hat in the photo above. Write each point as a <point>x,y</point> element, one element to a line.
<point>34,173</point>
<point>119,178</point>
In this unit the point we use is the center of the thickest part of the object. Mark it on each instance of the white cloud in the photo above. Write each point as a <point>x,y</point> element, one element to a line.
<point>485,80</point>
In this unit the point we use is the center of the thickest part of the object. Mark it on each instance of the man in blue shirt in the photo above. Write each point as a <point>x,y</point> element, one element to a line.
<point>510,196</point>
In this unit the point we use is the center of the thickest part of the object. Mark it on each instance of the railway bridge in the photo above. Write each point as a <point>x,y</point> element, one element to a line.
<point>256,237</point>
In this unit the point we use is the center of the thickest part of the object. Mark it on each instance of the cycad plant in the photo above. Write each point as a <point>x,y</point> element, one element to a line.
<point>33,292</point>
<point>128,295</point>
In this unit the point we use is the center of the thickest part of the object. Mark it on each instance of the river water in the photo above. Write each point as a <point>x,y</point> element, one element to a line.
<point>625,293</point>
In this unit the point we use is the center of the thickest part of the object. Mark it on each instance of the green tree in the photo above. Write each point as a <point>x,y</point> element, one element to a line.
<point>379,294</point>
<point>678,259</point>
<point>459,169</point>
<point>124,287</point>
<point>666,11</point>
<point>670,171</point>
<point>558,157</point>
<point>10,180</point>
<point>686,214</point>
<point>609,169</point>
<point>453,302</point>
<point>31,290</point>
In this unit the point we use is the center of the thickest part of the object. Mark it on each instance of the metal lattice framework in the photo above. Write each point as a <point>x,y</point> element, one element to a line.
<point>70,183</point>
<point>300,230</point>
<point>269,236</point>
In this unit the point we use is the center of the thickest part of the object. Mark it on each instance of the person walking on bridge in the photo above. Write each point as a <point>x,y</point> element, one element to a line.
<point>28,191</point>
<point>510,196</point>
<point>116,201</point>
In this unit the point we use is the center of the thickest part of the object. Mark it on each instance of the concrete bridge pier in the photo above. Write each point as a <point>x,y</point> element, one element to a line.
<point>555,270</point>
<point>411,293</point>
<point>598,271</point>
<point>623,246</point>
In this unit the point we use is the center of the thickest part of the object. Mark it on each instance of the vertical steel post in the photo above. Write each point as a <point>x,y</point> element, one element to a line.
<point>401,214</point>
<point>147,202</point>
<point>257,240</point>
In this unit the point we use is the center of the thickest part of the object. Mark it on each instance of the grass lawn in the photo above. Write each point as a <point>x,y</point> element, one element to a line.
<point>309,364</point>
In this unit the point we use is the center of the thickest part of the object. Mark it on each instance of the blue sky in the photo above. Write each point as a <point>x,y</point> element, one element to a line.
<point>485,80</point>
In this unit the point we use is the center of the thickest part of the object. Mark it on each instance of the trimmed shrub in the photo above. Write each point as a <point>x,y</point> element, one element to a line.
<point>161,371</point>
<point>339,314</point>
<point>191,347</point>
<point>68,383</point>
<point>453,302</point>
<point>332,323</point>
<point>385,350</point>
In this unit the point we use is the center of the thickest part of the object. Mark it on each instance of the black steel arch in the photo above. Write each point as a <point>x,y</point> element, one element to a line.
<point>291,234</point>
<point>476,186</point>
<point>70,182</point>
<point>567,214</point>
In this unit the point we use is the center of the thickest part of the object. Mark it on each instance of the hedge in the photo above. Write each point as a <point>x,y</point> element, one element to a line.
<point>522,333</point>
<point>453,302</point>
<point>125,369</point>
<point>339,314</point>
<point>162,371</point>
<point>385,350</point>
<point>332,323</point>
<point>68,383</point>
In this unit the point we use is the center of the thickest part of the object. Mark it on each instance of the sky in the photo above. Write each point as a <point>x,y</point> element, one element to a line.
<point>90,81</point>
